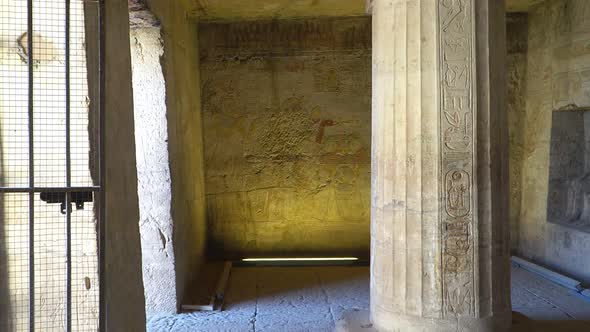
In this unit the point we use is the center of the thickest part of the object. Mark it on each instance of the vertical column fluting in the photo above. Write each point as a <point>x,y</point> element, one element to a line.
<point>440,258</point>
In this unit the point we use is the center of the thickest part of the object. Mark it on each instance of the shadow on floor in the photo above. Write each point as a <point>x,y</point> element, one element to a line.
<point>249,283</point>
<point>524,324</point>
<point>298,283</point>
<point>317,299</point>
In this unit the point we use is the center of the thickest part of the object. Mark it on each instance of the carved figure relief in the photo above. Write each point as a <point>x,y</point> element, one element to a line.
<point>459,298</point>
<point>458,188</point>
<point>456,33</point>
<point>455,17</point>
<point>456,74</point>
<point>568,199</point>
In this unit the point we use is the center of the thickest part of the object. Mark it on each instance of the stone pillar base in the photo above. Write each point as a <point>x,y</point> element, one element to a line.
<point>395,323</point>
<point>359,321</point>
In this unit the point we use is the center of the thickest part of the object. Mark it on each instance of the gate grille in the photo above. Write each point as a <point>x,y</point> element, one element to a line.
<point>51,128</point>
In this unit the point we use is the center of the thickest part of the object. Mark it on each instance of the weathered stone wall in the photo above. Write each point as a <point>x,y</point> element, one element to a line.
<point>558,74</point>
<point>287,118</point>
<point>516,33</point>
<point>567,201</point>
<point>153,171</point>
<point>185,141</point>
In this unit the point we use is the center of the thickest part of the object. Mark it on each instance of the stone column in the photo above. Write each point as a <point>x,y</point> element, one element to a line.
<point>440,256</point>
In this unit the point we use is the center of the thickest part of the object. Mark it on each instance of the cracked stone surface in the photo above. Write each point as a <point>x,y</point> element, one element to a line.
<point>279,299</point>
<point>310,299</point>
<point>153,171</point>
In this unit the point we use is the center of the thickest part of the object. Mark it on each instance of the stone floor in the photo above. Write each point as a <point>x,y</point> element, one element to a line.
<point>275,299</point>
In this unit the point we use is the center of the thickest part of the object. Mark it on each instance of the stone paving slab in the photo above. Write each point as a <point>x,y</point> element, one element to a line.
<point>317,299</point>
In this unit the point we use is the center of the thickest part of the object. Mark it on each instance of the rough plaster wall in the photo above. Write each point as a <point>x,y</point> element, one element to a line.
<point>287,114</point>
<point>185,144</point>
<point>153,172</point>
<point>558,74</point>
<point>516,33</point>
<point>124,293</point>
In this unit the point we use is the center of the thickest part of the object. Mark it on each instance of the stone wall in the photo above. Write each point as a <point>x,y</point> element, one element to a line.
<point>153,171</point>
<point>557,75</point>
<point>185,140</point>
<point>569,158</point>
<point>287,118</point>
<point>516,33</point>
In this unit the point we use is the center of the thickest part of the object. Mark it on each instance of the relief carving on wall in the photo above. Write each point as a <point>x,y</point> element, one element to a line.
<point>568,199</point>
<point>456,31</point>
<point>571,17</point>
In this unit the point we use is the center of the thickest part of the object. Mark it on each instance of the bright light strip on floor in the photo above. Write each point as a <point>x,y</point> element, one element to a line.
<point>300,259</point>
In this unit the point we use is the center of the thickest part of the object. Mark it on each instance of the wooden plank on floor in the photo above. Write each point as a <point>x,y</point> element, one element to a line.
<point>222,284</point>
<point>211,288</point>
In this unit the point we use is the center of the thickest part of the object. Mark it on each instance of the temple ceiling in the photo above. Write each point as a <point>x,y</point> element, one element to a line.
<point>256,9</point>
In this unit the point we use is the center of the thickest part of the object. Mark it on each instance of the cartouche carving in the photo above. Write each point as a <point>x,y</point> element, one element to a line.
<point>458,192</point>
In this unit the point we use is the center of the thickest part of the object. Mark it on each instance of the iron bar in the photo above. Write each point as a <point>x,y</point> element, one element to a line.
<point>31,168</point>
<point>68,173</point>
<point>71,194</point>
<point>102,217</point>
<point>68,262</point>
<point>48,189</point>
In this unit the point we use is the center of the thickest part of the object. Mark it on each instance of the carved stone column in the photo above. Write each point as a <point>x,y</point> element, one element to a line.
<point>440,256</point>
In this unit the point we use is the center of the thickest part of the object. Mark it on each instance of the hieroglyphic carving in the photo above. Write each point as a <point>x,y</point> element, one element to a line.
<point>458,189</point>
<point>459,296</point>
<point>457,146</point>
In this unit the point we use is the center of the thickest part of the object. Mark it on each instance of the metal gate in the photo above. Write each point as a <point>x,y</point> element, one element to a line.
<point>51,142</point>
